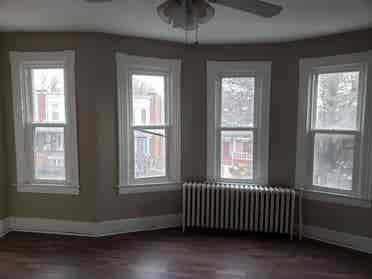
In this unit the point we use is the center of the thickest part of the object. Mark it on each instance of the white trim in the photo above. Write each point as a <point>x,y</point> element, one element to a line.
<point>163,187</point>
<point>262,72</point>
<point>90,229</point>
<point>52,226</point>
<point>4,227</point>
<point>335,198</point>
<point>172,68</point>
<point>347,240</point>
<point>48,189</point>
<point>138,224</point>
<point>19,62</point>
<point>362,190</point>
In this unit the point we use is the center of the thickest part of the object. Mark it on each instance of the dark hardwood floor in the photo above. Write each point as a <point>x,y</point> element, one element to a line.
<point>171,254</point>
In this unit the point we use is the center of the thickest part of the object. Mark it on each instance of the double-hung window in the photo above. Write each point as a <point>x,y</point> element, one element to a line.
<point>238,121</point>
<point>45,125</point>
<point>333,134</point>
<point>149,136</point>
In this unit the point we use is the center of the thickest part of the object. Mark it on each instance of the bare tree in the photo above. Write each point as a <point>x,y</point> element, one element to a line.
<point>54,82</point>
<point>337,99</point>
<point>140,87</point>
<point>337,103</point>
<point>238,101</point>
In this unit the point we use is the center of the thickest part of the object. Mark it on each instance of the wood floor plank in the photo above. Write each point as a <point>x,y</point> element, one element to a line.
<point>167,254</point>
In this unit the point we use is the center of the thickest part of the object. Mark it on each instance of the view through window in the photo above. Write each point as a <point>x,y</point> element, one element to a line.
<point>237,127</point>
<point>149,125</point>
<point>48,104</point>
<point>335,128</point>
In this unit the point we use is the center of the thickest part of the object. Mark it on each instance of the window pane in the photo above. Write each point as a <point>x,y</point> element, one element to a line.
<point>48,90</point>
<point>337,100</point>
<point>237,154</point>
<point>148,99</point>
<point>238,102</point>
<point>333,160</point>
<point>49,153</point>
<point>149,153</point>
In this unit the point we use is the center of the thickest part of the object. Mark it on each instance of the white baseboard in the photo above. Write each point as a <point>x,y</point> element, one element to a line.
<point>51,226</point>
<point>89,229</point>
<point>355,242</point>
<point>138,224</point>
<point>4,227</point>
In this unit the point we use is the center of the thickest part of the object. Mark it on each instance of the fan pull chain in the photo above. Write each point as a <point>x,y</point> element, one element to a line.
<point>197,34</point>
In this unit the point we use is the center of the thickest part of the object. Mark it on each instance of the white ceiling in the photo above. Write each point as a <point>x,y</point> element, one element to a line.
<point>299,19</point>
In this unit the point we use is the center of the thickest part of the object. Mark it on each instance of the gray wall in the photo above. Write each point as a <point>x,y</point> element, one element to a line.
<point>3,170</point>
<point>97,133</point>
<point>96,112</point>
<point>3,200</point>
<point>3,161</point>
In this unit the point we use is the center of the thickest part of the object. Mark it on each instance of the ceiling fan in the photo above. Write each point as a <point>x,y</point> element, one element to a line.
<point>188,14</point>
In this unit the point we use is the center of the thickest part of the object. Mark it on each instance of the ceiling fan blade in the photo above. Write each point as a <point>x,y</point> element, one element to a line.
<point>256,7</point>
<point>98,1</point>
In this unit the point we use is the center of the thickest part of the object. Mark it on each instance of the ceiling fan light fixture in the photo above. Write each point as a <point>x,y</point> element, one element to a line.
<point>202,11</point>
<point>166,10</point>
<point>185,14</point>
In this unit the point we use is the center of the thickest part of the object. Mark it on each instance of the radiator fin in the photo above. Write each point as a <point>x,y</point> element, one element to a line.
<point>238,207</point>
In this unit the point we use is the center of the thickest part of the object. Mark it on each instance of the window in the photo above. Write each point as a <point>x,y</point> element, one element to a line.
<point>45,125</point>
<point>55,112</point>
<point>149,136</point>
<point>238,121</point>
<point>332,148</point>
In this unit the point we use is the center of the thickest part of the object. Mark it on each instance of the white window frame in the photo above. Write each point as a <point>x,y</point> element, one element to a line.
<point>128,65</point>
<point>20,63</point>
<point>261,71</point>
<point>360,195</point>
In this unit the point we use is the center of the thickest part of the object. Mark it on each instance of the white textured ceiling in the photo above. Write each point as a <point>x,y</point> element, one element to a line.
<point>299,19</point>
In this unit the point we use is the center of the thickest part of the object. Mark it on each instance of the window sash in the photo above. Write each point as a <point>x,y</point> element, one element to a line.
<point>30,153</point>
<point>28,88</point>
<point>219,99</point>
<point>313,79</point>
<point>132,164</point>
<point>133,127</point>
<point>312,130</point>
<point>219,154</point>
<point>31,127</point>
<point>220,128</point>
<point>167,86</point>
<point>356,161</point>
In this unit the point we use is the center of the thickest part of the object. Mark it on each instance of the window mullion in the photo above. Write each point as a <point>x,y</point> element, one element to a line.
<point>335,132</point>
<point>49,125</point>
<point>150,127</point>
<point>236,129</point>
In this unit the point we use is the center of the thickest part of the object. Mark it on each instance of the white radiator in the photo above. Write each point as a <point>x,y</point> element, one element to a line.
<point>239,207</point>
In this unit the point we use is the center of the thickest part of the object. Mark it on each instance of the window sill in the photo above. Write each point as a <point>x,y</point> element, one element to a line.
<point>144,188</point>
<point>335,198</point>
<point>48,189</point>
<point>237,181</point>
